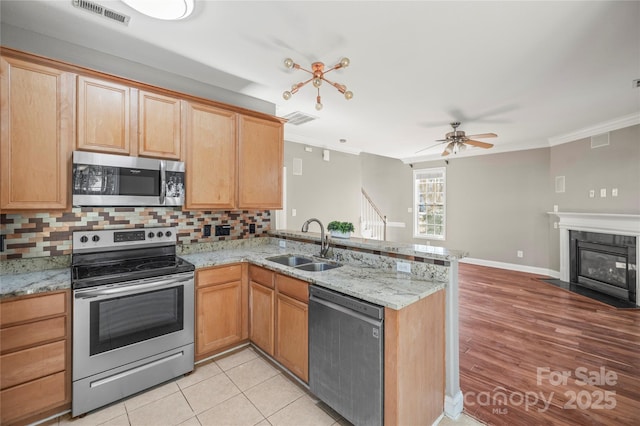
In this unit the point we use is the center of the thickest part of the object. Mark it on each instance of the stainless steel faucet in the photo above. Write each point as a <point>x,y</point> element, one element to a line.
<point>324,241</point>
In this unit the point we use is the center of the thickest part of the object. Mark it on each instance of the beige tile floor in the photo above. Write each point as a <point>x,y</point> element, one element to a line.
<point>239,389</point>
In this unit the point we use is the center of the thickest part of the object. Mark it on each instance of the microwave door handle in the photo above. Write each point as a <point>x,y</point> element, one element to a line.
<point>163,181</point>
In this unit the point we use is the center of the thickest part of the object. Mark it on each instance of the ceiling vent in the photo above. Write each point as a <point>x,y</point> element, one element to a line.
<point>102,11</point>
<point>297,118</point>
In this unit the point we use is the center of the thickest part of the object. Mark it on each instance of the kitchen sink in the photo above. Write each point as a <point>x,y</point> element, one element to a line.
<point>290,260</point>
<point>318,266</point>
<point>302,262</point>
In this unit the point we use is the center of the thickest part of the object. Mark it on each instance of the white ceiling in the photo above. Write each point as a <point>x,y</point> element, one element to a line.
<point>535,73</point>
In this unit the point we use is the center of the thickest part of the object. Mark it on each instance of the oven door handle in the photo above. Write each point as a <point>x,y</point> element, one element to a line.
<point>131,289</point>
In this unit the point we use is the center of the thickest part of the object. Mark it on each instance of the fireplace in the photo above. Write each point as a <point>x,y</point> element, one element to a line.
<point>604,262</point>
<point>599,253</point>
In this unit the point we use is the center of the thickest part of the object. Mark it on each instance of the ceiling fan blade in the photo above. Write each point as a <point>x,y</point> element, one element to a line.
<point>442,140</point>
<point>445,153</point>
<point>429,147</point>
<point>483,135</point>
<point>478,143</point>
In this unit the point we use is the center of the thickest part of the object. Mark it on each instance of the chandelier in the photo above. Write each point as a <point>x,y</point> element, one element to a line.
<point>317,77</point>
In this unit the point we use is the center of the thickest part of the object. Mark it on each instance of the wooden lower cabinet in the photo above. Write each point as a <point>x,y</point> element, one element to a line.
<point>261,308</point>
<point>414,364</point>
<point>292,335</point>
<point>35,357</point>
<point>221,308</point>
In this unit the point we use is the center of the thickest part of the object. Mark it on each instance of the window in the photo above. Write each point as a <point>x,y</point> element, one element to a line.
<point>429,203</point>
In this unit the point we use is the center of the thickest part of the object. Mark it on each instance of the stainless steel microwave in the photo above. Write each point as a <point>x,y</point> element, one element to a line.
<point>118,180</point>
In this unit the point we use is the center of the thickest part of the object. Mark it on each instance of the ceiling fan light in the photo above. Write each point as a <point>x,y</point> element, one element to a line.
<point>168,10</point>
<point>348,95</point>
<point>449,148</point>
<point>288,63</point>
<point>318,106</point>
<point>286,95</point>
<point>344,62</point>
<point>461,146</point>
<point>317,82</point>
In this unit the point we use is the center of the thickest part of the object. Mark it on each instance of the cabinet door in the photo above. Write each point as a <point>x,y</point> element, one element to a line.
<point>292,336</point>
<point>261,316</point>
<point>103,116</point>
<point>219,317</point>
<point>260,162</point>
<point>210,139</point>
<point>159,126</point>
<point>36,135</point>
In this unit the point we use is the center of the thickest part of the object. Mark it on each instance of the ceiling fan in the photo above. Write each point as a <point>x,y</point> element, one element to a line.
<point>457,141</point>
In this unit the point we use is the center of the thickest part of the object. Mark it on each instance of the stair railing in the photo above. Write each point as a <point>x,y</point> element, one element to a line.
<point>373,224</point>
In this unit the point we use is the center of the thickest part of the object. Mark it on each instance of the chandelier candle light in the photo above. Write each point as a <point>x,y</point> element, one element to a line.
<point>317,77</point>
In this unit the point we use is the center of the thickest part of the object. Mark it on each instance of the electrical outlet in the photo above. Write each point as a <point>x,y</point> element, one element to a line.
<point>555,208</point>
<point>520,253</point>
<point>614,192</point>
<point>207,231</point>
<point>592,193</point>
<point>282,243</point>
<point>603,193</point>
<point>403,267</point>
<point>252,228</point>
<point>223,230</point>
<point>555,225</point>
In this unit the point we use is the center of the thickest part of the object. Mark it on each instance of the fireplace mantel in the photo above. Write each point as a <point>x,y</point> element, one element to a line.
<point>610,223</point>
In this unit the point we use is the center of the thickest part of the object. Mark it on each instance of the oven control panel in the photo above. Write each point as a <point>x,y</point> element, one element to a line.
<point>110,239</point>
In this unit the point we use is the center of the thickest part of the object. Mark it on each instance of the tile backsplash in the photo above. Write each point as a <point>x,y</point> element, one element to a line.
<point>49,234</point>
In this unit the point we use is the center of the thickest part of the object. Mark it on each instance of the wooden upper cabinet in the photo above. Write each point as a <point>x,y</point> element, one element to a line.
<point>37,132</point>
<point>103,116</point>
<point>210,160</point>
<point>159,126</point>
<point>260,162</point>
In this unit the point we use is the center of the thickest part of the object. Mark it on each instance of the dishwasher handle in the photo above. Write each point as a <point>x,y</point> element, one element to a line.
<point>372,321</point>
<point>348,302</point>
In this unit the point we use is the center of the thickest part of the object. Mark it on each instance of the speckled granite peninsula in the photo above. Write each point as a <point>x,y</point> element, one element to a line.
<point>368,270</point>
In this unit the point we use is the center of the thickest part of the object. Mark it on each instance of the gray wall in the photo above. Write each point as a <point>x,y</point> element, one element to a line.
<point>497,204</point>
<point>584,168</point>
<point>326,190</point>
<point>616,165</point>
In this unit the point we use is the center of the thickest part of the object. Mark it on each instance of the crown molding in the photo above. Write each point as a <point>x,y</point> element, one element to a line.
<point>604,127</point>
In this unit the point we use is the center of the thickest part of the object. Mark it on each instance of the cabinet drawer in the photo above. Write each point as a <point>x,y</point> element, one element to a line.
<point>22,336</point>
<point>261,276</point>
<point>32,308</point>
<point>293,288</point>
<point>30,364</point>
<point>47,392</point>
<point>219,275</point>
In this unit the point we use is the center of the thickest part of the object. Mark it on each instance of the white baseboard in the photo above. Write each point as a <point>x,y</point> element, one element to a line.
<point>512,267</point>
<point>453,405</point>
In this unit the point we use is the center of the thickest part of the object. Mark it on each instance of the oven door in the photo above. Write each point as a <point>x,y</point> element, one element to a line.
<point>114,325</point>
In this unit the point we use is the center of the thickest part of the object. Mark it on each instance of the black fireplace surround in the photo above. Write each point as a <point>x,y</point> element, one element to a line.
<point>604,262</point>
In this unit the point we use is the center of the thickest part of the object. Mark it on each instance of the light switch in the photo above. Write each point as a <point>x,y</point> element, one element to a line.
<point>294,212</point>
<point>614,192</point>
<point>592,193</point>
<point>409,210</point>
<point>603,193</point>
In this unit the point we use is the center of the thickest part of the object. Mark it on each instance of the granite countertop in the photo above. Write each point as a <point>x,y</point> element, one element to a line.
<point>35,282</point>
<point>414,250</point>
<point>375,285</point>
<point>383,287</point>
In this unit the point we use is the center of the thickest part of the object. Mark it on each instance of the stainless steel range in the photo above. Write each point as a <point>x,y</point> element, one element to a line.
<point>133,318</point>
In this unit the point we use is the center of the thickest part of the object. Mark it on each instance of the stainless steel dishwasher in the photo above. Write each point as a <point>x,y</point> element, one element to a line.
<point>346,355</point>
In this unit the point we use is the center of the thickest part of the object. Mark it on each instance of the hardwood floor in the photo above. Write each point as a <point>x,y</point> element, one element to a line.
<point>519,335</point>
